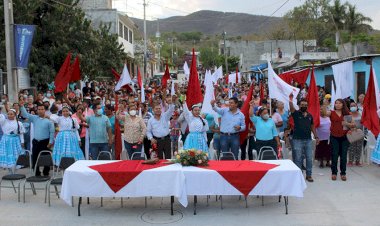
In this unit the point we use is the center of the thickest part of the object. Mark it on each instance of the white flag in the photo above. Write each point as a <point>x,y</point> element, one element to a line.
<point>209,95</point>
<point>232,78</point>
<point>186,70</point>
<point>280,90</point>
<point>376,89</point>
<point>172,93</point>
<point>344,79</point>
<point>125,79</point>
<point>142,94</point>
<point>333,96</point>
<point>218,73</point>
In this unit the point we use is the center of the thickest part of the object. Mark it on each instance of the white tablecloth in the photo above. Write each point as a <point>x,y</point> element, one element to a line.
<point>174,180</point>
<point>81,181</point>
<point>285,179</point>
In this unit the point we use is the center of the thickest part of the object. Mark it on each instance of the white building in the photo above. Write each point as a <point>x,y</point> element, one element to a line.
<point>101,12</point>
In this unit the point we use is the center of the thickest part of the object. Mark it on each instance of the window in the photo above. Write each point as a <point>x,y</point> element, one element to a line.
<point>125,33</point>
<point>120,29</point>
<point>328,79</point>
<point>130,36</point>
<point>360,83</point>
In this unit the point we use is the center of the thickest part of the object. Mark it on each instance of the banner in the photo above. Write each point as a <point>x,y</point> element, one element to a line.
<point>23,37</point>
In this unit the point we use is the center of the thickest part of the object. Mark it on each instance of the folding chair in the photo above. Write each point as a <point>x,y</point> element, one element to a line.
<point>267,151</point>
<point>264,153</point>
<point>138,156</point>
<point>44,159</point>
<point>65,163</point>
<point>104,155</point>
<point>22,160</point>
<point>226,156</point>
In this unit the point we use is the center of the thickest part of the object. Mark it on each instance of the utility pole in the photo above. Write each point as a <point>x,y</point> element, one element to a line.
<point>9,49</point>
<point>145,45</point>
<point>225,51</point>
<point>158,35</point>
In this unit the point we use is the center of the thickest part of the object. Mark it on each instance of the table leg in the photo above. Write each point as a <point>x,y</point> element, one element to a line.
<point>79,202</point>
<point>195,204</point>
<point>171,205</point>
<point>286,198</point>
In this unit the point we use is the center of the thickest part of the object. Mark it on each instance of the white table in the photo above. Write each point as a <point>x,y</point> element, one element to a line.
<point>81,181</point>
<point>284,180</point>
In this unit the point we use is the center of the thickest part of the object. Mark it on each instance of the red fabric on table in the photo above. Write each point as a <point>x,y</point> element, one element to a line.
<point>118,174</point>
<point>243,175</point>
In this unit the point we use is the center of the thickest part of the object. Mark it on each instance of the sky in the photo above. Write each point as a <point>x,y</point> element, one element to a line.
<point>167,8</point>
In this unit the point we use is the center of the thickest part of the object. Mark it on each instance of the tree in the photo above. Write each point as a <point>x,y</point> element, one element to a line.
<point>337,14</point>
<point>208,57</point>
<point>232,61</point>
<point>356,22</point>
<point>60,28</point>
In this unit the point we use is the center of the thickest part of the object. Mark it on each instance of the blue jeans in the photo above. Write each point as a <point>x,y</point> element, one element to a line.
<point>301,147</point>
<point>230,143</point>
<point>132,148</point>
<point>96,148</point>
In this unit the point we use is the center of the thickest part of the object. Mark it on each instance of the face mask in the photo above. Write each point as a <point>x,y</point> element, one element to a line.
<point>112,102</point>
<point>48,95</point>
<point>99,111</point>
<point>25,96</point>
<point>353,109</point>
<point>132,112</point>
<point>136,99</point>
<point>265,117</point>
<point>303,109</point>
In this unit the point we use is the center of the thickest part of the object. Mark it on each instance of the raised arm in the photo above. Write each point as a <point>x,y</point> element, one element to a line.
<point>216,109</point>
<point>291,106</point>
<point>23,111</point>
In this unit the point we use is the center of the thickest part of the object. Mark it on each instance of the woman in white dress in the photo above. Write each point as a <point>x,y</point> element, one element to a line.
<point>197,127</point>
<point>12,142</point>
<point>67,141</point>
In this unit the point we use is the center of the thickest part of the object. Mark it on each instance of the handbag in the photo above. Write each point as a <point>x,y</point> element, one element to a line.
<point>355,135</point>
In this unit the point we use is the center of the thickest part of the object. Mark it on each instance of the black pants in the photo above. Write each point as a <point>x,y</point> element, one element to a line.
<point>339,150</point>
<point>209,138</point>
<point>83,145</point>
<point>164,146</point>
<point>39,146</point>
<point>147,146</point>
<point>250,141</point>
<point>183,138</point>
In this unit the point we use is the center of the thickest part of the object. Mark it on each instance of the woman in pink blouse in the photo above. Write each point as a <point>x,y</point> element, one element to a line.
<point>134,130</point>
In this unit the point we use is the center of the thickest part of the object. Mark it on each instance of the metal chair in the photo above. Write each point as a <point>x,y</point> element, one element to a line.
<point>254,154</point>
<point>138,156</point>
<point>22,160</point>
<point>226,156</point>
<point>267,151</point>
<point>65,163</point>
<point>44,159</point>
<point>104,155</point>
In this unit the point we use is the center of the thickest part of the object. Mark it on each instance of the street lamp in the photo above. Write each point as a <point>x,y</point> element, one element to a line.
<point>225,50</point>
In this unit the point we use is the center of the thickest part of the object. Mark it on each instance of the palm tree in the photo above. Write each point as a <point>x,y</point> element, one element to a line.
<point>337,12</point>
<point>356,22</point>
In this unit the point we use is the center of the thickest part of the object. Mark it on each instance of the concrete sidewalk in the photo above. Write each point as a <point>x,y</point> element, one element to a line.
<point>354,202</point>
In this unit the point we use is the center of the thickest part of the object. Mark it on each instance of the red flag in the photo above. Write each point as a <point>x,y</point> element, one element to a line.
<point>245,111</point>
<point>166,77</point>
<point>75,70</point>
<point>301,76</point>
<point>139,79</point>
<point>262,97</point>
<point>313,100</point>
<point>370,119</point>
<point>118,145</point>
<point>227,79</point>
<point>237,75</point>
<point>116,74</point>
<point>194,93</point>
<point>63,77</point>
<point>287,76</point>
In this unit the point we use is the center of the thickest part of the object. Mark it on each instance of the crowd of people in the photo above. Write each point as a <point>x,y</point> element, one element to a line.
<point>61,122</point>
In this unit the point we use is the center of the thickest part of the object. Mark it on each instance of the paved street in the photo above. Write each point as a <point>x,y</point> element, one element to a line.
<point>355,202</point>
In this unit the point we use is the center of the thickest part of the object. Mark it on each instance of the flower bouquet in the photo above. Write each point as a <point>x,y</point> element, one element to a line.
<point>191,157</point>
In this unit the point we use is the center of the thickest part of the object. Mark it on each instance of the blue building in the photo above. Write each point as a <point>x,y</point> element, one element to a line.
<point>324,73</point>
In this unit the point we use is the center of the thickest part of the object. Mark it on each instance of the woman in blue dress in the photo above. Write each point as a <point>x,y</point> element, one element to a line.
<point>67,141</point>
<point>197,128</point>
<point>12,141</point>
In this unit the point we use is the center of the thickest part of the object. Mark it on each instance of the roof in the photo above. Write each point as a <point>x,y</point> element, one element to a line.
<point>327,64</point>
